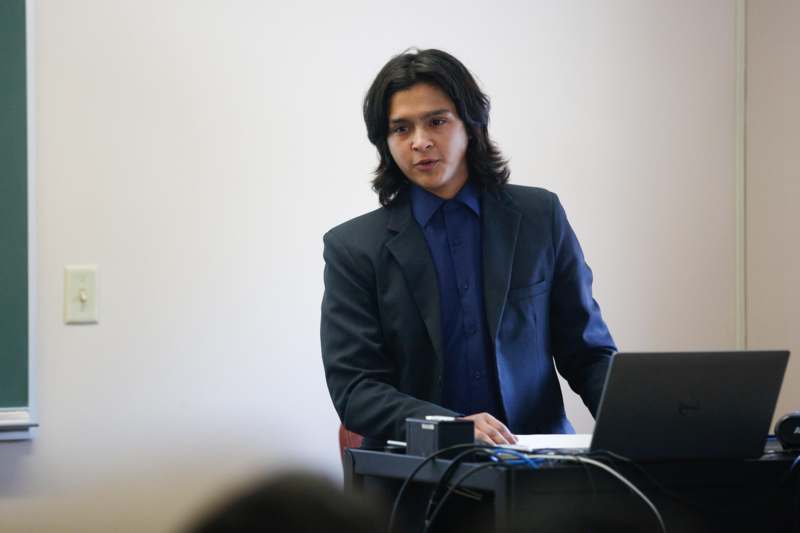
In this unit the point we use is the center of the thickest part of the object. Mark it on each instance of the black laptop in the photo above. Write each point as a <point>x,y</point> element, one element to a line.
<point>689,405</point>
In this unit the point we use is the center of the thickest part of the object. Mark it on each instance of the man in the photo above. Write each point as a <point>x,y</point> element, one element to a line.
<point>459,294</point>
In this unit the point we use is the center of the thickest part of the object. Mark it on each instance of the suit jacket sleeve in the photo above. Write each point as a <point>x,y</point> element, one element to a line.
<point>581,343</point>
<point>360,372</point>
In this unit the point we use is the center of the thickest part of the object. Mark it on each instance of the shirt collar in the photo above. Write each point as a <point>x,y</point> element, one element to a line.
<point>424,204</point>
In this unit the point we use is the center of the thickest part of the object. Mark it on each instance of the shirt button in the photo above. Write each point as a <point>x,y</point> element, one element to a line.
<point>464,286</point>
<point>477,374</point>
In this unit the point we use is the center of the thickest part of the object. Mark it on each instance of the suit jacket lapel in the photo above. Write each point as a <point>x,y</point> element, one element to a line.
<point>411,251</point>
<point>500,227</point>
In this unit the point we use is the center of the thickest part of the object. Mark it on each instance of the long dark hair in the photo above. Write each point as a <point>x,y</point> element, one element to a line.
<point>485,163</point>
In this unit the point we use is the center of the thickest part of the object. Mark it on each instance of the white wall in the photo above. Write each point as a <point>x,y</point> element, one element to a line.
<point>773,191</point>
<point>196,151</point>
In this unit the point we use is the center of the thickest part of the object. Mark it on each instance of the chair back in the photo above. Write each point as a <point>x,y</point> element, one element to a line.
<point>348,439</point>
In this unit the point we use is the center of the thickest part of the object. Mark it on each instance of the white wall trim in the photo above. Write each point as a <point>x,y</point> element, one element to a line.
<point>33,256</point>
<point>741,177</point>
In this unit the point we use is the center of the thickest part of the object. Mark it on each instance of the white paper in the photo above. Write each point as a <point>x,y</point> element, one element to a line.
<point>574,441</point>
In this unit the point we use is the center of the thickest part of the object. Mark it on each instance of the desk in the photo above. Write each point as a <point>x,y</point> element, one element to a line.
<point>697,496</point>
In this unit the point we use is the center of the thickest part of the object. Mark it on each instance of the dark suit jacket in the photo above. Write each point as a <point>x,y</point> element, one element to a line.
<point>381,332</point>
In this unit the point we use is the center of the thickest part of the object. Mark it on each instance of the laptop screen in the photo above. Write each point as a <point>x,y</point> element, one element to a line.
<point>689,405</point>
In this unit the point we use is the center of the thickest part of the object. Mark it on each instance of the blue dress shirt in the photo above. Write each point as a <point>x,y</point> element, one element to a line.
<point>452,229</point>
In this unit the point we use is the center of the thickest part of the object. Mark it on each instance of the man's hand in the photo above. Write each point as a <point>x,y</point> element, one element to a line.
<point>490,430</point>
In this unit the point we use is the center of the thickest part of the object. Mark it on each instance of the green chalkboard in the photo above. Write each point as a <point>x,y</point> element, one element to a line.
<point>13,207</point>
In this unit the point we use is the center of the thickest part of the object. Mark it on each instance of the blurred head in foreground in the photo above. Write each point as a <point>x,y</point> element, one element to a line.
<point>293,503</point>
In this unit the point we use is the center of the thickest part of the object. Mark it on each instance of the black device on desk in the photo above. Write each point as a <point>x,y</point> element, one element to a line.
<point>787,430</point>
<point>690,405</point>
<point>428,435</point>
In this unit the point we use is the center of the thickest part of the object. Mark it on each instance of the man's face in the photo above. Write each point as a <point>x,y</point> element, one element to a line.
<point>427,140</point>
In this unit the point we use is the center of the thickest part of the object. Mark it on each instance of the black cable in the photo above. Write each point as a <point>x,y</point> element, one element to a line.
<point>794,469</point>
<point>658,485</point>
<point>645,473</point>
<point>592,485</point>
<point>477,469</point>
<point>430,458</point>
<point>453,487</point>
<point>674,495</point>
<point>455,462</point>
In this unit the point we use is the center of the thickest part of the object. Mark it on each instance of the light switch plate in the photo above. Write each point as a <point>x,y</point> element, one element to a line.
<point>80,294</point>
